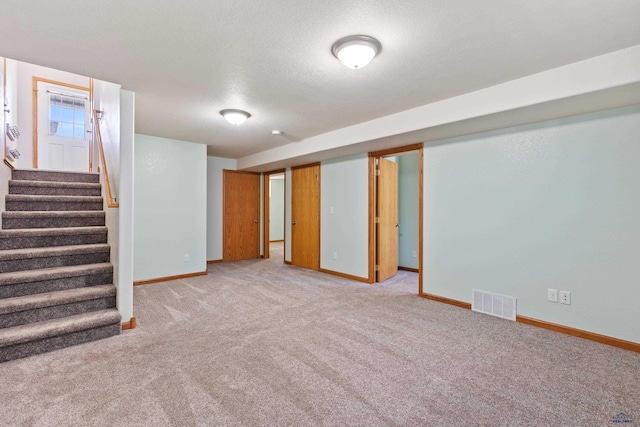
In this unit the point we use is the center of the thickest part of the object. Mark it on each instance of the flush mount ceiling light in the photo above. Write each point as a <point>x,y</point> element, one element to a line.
<point>356,51</point>
<point>276,132</point>
<point>235,117</point>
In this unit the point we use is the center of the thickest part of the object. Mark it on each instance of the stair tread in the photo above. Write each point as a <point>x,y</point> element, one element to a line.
<point>50,328</point>
<point>49,299</point>
<point>58,231</point>
<point>44,214</point>
<point>54,175</point>
<point>52,251</point>
<point>49,198</point>
<point>24,276</point>
<point>54,184</point>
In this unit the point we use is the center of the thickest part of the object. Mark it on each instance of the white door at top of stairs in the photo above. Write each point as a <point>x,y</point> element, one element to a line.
<point>64,130</point>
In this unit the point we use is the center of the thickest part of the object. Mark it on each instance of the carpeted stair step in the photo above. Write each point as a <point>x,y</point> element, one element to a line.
<point>21,202</point>
<point>54,305</point>
<point>36,258</point>
<point>43,175</point>
<point>54,188</point>
<point>48,237</point>
<point>26,340</point>
<point>19,283</point>
<point>52,219</point>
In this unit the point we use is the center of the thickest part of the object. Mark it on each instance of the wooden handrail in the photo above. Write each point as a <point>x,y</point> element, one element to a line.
<point>98,139</point>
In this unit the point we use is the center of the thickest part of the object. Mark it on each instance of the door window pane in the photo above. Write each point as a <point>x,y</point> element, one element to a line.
<point>78,131</point>
<point>67,116</point>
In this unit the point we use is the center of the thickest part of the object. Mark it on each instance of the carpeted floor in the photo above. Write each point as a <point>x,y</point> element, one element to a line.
<point>261,343</point>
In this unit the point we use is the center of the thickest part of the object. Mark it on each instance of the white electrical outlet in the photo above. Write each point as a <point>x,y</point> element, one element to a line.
<point>552,295</point>
<point>331,211</point>
<point>186,257</point>
<point>413,254</point>
<point>335,255</point>
<point>565,297</point>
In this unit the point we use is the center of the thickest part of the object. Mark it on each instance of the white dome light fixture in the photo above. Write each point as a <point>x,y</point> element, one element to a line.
<point>356,51</point>
<point>235,117</point>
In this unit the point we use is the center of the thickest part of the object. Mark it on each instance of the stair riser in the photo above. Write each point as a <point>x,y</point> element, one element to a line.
<point>50,241</point>
<point>35,222</point>
<point>49,344</point>
<point>15,205</point>
<point>54,191</point>
<point>56,312</point>
<point>33,175</point>
<point>61,284</point>
<point>7,266</point>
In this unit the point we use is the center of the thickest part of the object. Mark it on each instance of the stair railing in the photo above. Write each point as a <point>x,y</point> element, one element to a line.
<point>111,201</point>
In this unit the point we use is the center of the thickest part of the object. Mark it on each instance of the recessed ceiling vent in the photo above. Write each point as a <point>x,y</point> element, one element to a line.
<point>494,304</point>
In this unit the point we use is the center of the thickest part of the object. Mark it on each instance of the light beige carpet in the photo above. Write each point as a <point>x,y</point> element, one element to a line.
<point>258,343</point>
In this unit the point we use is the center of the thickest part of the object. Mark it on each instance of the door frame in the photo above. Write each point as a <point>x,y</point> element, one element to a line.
<point>266,204</point>
<point>35,80</point>
<point>373,155</point>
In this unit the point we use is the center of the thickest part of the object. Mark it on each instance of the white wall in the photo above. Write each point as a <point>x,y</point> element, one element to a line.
<point>215,166</point>
<point>5,171</point>
<point>106,97</point>
<point>276,209</point>
<point>344,193</point>
<point>170,207</point>
<point>11,98</point>
<point>408,195</point>
<point>25,73</point>
<point>550,205</point>
<point>126,201</point>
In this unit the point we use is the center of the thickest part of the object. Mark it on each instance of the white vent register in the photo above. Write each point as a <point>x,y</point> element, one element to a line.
<point>494,304</point>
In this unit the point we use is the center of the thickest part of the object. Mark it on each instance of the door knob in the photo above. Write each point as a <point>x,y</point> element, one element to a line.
<point>397,225</point>
<point>256,221</point>
<point>293,223</point>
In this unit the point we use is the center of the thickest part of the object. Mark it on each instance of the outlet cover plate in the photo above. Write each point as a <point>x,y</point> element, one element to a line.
<point>565,297</point>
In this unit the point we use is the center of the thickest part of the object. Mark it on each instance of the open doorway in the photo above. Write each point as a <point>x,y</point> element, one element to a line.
<point>396,218</point>
<point>274,221</point>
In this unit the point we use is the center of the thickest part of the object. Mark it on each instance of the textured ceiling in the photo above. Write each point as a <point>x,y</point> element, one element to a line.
<point>187,60</point>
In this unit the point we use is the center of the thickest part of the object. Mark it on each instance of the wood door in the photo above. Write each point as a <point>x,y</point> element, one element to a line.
<point>241,219</point>
<point>387,219</point>
<point>305,217</point>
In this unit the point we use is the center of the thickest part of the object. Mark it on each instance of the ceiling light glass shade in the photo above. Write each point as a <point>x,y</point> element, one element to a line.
<point>235,117</point>
<point>356,51</point>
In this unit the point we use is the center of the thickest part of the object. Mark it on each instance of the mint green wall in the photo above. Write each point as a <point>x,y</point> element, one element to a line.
<point>344,193</point>
<point>408,194</point>
<point>170,206</point>
<point>550,205</point>
<point>276,209</point>
<point>215,167</point>
<point>287,215</point>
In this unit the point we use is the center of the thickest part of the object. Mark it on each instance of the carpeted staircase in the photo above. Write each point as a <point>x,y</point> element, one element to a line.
<point>56,281</point>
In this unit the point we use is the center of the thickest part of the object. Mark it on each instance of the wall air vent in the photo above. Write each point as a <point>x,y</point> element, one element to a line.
<point>494,304</point>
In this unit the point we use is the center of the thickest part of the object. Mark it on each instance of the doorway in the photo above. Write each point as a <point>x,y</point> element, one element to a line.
<point>274,208</point>
<point>395,212</point>
<point>241,215</point>
<point>305,216</point>
<point>62,126</point>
